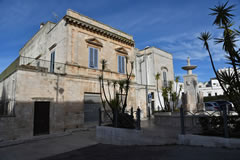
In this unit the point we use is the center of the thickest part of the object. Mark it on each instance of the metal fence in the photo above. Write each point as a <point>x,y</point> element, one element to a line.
<point>131,118</point>
<point>221,123</point>
<point>42,65</point>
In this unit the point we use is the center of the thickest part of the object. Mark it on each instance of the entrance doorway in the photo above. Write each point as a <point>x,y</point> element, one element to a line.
<point>92,103</point>
<point>41,118</point>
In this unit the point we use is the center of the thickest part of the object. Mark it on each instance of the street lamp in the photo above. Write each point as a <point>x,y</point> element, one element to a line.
<point>145,59</point>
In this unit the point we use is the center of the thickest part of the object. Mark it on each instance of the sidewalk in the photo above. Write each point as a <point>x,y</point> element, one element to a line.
<point>49,147</point>
<point>36,149</point>
<point>82,145</point>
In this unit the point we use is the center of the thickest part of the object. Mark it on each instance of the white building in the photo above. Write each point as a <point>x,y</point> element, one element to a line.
<point>211,88</point>
<point>149,62</point>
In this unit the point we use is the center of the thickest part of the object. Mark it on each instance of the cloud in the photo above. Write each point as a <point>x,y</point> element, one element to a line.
<point>139,17</point>
<point>185,45</point>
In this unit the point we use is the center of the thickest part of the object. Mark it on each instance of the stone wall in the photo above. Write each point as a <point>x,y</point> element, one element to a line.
<point>190,122</point>
<point>65,94</point>
<point>78,50</point>
<point>7,93</point>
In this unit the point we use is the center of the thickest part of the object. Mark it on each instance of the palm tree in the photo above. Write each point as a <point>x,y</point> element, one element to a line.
<point>222,13</point>
<point>205,36</point>
<point>223,20</point>
<point>229,82</point>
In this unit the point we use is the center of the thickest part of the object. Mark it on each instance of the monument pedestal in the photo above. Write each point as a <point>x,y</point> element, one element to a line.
<point>193,101</point>
<point>190,88</point>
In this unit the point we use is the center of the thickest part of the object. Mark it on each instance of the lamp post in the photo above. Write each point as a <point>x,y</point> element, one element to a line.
<point>145,59</point>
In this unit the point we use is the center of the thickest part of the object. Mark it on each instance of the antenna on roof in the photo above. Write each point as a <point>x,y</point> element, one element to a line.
<point>55,17</point>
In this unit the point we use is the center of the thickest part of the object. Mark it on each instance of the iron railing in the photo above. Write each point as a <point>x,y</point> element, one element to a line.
<point>117,122</point>
<point>221,123</point>
<point>42,65</point>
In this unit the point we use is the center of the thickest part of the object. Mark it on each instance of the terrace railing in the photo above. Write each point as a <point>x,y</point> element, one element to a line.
<point>42,65</point>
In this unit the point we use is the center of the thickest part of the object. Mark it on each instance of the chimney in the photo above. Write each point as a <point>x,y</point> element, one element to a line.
<point>41,25</point>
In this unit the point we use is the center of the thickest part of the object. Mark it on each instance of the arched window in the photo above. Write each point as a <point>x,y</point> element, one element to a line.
<point>164,76</point>
<point>165,79</point>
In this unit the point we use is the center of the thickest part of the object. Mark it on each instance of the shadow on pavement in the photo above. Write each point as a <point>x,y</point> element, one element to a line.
<point>170,152</point>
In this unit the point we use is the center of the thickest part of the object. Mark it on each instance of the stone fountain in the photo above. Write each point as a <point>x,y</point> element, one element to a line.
<point>189,67</point>
<point>193,100</point>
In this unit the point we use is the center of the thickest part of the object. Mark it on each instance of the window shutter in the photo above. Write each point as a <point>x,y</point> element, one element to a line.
<point>52,61</point>
<point>95,58</point>
<point>119,64</point>
<point>91,57</point>
<point>123,64</point>
<point>165,78</point>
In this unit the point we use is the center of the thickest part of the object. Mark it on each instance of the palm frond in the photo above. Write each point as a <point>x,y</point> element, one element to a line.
<point>222,13</point>
<point>177,79</point>
<point>205,37</point>
<point>229,40</point>
<point>157,76</point>
<point>227,77</point>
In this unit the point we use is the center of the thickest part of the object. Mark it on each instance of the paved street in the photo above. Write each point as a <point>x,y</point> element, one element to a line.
<point>82,145</point>
<point>49,147</point>
<point>170,152</point>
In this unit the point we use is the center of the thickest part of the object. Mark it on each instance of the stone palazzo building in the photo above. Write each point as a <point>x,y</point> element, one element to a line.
<point>53,85</point>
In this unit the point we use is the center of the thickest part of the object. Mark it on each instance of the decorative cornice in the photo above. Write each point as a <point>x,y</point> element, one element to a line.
<point>94,41</point>
<point>121,50</point>
<point>98,30</point>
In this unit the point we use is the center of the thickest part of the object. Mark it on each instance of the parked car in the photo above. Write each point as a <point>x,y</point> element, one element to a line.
<point>222,103</point>
<point>212,106</point>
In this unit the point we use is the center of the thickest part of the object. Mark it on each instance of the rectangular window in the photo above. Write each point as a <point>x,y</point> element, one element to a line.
<point>93,57</point>
<point>165,79</point>
<point>121,64</point>
<point>52,62</point>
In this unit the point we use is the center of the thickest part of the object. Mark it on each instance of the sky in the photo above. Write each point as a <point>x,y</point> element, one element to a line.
<point>171,25</point>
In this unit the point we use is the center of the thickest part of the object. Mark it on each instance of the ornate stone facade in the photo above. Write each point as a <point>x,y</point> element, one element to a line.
<point>59,68</point>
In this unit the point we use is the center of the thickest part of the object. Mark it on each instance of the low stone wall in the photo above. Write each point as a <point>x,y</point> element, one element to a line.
<point>161,120</point>
<point>121,136</point>
<point>208,141</point>
<point>117,136</point>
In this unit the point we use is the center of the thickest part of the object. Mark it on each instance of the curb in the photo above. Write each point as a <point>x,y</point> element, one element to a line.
<point>8,143</point>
